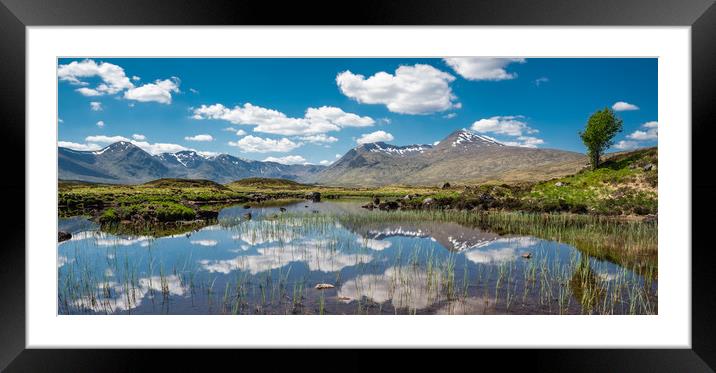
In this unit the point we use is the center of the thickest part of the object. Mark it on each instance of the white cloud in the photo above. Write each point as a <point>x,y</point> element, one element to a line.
<point>158,148</point>
<point>626,145</point>
<point>316,120</point>
<point>139,137</point>
<point>95,106</point>
<point>76,146</point>
<point>404,288</point>
<point>100,124</point>
<point>319,139</point>
<point>229,129</point>
<point>160,91</point>
<point>289,159</point>
<point>334,115</point>
<point>419,89</point>
<point>88,92</point>
<point>203,137</point>
<point>204,242</point>
<point>650,132</point>
<point>541,80</point>
<point>317,256</point>
<point>450,116</point>
<point>338,155</point>
<point>254,144</point>
<point>525,142</point>
<point>511,125</point>
<point>375,137</point>
<point>114,81</point>
<point>485,256</point>
<point>59,120</point>
<point>624,106</point>
<point>325,162</point>
<point>192,90</point>
<point>240,133</point>
<point>136,78</point>
<point>480,68</point>
<point>106,139</point>
<point>154,149</point>
<point>113,78</point>
<point>373,244</point>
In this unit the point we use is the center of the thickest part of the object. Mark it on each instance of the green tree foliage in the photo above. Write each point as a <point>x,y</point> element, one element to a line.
<point>597,136</point>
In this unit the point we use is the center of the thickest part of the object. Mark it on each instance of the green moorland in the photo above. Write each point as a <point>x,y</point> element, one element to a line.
<point>607,212</point>
<point>624,185</point>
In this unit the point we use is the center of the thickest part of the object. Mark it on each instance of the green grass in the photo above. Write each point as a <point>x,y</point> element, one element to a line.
<point>632,244</point>
<point>150,211</point>
<point>619,186</point>
<point>264,182</point>
<point>184,183</point>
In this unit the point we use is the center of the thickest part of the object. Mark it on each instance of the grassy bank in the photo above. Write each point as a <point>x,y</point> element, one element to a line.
<point>629,243</point>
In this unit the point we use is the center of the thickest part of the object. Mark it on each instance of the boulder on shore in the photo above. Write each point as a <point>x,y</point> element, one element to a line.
<point>389,205</point>
<point>63,236</point>
<point>314,196</point>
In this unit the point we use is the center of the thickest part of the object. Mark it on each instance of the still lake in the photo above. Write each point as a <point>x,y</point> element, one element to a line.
<point>272,262</point>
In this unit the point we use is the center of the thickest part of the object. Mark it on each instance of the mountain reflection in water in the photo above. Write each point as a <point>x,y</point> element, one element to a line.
<point>271,264</point>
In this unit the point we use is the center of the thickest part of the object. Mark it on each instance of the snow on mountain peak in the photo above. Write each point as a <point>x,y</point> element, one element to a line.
<point>465,136</point>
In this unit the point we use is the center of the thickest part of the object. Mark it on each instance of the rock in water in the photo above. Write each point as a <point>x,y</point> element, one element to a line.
<point>526,255</point>
<point>247,216</point>
<point>63,236</point>
<point>388,205</point>
<point>324,286</point>
<point>282,209</point>
<point>314,196</point>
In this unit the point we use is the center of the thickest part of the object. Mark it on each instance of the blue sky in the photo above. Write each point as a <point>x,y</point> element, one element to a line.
<point>311,110</point>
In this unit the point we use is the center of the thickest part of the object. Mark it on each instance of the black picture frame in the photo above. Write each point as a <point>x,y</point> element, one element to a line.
<point>700,15</point>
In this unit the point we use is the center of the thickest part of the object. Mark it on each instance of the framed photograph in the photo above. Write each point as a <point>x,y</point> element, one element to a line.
<point>487,176</point>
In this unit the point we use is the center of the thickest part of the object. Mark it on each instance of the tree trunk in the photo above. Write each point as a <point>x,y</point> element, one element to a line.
<point>595,160</point>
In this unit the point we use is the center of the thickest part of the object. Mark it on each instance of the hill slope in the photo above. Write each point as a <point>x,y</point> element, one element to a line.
<point>463,156</point>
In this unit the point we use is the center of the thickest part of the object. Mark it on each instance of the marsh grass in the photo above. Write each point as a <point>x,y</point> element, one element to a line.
<point>407,278</point>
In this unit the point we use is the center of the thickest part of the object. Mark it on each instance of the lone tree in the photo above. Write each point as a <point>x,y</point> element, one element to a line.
<point>597,136</point>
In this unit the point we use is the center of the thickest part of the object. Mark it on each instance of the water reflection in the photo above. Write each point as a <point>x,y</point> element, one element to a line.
<point>271,264</point>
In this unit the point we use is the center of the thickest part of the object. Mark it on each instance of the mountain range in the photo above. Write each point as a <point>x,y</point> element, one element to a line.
<point>125,163</point>
<point>463,156</point>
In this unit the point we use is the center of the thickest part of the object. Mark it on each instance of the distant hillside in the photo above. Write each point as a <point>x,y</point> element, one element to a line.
<point>463,156</point>
<point>264,181</point>
<point>184,183</point>
<point>125,163</point>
